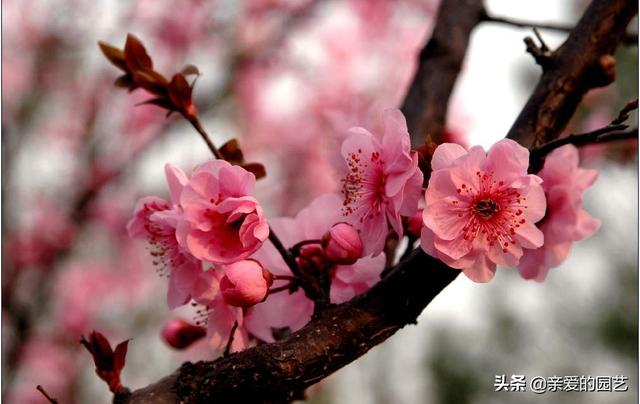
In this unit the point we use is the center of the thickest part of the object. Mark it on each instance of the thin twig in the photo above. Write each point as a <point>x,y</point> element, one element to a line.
<point>609,133</point>
<point>46,395</point>
<point>629,39</point>
<point>295,250</point>
<point>281,288</point>
<point>227,349</point>
<point>205,136</point>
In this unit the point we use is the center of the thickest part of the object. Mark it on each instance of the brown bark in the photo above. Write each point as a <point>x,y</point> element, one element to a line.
<point>279,372</point>
<point>583,62</point>
<point>440,61</point>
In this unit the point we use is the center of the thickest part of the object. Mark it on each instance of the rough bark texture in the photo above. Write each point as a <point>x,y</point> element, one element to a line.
<point>440,63</point>
<point>277,373</point>
<point>584,61</point>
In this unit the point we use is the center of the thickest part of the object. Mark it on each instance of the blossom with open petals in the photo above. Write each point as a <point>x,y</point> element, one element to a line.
<point>155,221</point>
<point>382,182</point>
<point>481,208</point>
<point>220,222</point>
<point>565,221</point>
<point>285,312</point>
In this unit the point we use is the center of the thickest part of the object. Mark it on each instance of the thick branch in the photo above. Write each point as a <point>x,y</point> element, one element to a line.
<point>279,372</point>
<point>440,61</point>
<point>584,61</point>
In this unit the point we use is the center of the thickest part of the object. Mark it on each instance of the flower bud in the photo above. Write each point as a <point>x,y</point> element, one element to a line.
<point>342,244</point>
<point>414,224</point>
<point>245,283</point>
<point>179,334</point>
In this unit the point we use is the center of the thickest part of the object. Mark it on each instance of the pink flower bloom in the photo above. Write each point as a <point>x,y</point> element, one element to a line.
<point>220,222</point>
<point>179,334</point>
<point>155,220</point>
<point>382,182</point>
<point>245,283</point>
<point>219,316</point>
<point>342,244</point>
<point>282,312</point>
<point>565,221</point>
<point>481,208</point>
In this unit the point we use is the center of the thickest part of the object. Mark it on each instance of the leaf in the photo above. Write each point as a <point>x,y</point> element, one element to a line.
<point>256,168</point>
<point>189,70</point>
<point>125,81</point>
<point>119,355</point>
<point>114,55</point>
<point>180,91</point>
<point>232,152</point>
<point>159,102</point>
<point>136,55</point>
<point>151,81</point>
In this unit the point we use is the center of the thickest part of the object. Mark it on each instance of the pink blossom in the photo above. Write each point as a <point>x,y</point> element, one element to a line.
<point>245,283</point>
<point>342,244</point>
<point>155,220</point>
<point>220,222</point>
<point>218,315</point>
<point>481,208</point>
<point>179,334</point>
<point>285,312</point>
<point>565,221</point>
<point>383,181</point>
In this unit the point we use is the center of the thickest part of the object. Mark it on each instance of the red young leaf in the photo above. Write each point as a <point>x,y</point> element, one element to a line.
<point>119,355</point>
<point>256,168</point>
<point>189,70</point>
<point>180,91</point>
<point>159,102</point>
<point>232,152</point>
<point>136,55</point>
<point>115,55</point>
<point>151,81</point>
<point>125,81</point>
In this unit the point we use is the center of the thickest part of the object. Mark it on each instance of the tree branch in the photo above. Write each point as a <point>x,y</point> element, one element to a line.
<point>440,61</point>
<point>628,39</point>
<point>279,372</point>
<point>583,62</point>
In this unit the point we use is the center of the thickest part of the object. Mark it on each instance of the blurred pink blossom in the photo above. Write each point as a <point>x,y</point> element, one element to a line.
<point>290,311</point>
<point>565,221</point>
<point>219,316</point>
<point>382,181</point>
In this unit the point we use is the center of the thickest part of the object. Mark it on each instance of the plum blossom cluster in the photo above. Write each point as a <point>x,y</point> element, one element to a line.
<point>479,210</point>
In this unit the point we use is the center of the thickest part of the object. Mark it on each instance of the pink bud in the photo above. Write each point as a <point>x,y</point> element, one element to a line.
<point>342,244</point>
<point>179,334</point>
<point>245,283</point>
<point>414,224</point>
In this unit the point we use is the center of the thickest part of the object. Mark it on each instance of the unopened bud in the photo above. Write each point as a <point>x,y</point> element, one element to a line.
<point>179,334</point>
<point>342,244</point>
<point>414,224</point>
<point>245,283</point>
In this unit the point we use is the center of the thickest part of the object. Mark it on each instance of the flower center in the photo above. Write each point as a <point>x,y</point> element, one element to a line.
<point>486,208</point>
<point>364,184</point>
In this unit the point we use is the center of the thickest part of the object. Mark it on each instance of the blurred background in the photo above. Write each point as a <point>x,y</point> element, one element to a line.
<point>287,78</point>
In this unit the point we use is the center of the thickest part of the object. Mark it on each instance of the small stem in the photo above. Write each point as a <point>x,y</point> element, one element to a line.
<point>205,136</point>
<point>280,288</point>
<point>46,395</point>
<point>296,247</point>
<point>286,256</point>
<point>629,39</point>
<point>284,278</point>
<point>227,349</point>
